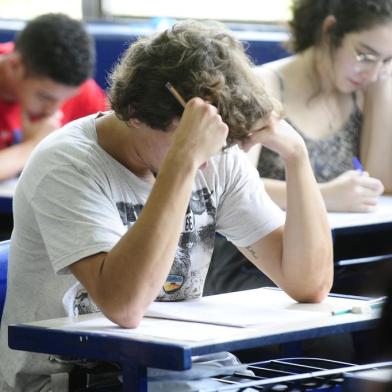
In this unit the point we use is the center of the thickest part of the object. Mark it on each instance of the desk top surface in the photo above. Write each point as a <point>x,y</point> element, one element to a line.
<point>284,321</point>
<point>381,215</point>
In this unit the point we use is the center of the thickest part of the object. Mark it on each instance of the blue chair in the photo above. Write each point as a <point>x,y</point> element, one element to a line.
<point>4,248</point>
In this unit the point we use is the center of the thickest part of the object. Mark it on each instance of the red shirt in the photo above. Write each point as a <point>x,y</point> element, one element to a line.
<point>90,99</point>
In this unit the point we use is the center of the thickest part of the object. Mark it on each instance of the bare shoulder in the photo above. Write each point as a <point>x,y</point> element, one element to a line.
<point>271,74</point>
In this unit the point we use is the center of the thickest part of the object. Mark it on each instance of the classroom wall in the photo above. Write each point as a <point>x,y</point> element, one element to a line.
<point>263,42</point>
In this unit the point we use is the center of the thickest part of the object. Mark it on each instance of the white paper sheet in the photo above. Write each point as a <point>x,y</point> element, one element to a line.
<point>260,307</point>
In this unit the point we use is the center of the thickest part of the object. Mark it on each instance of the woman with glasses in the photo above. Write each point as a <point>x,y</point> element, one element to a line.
<point>336,91</point>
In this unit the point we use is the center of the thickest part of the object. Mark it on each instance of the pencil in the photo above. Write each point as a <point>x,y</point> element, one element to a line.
<point>179,98</point>
<point>176,94</point>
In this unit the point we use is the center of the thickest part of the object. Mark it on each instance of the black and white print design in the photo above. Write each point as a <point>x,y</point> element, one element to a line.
<point>190,266</point>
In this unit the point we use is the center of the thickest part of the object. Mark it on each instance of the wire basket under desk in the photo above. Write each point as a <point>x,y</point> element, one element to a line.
<point>297,374</point>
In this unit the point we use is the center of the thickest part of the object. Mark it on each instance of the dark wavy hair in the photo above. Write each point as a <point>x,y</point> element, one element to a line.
<point>351,16</point>
<point>57,47</point>
<point>200,59</point>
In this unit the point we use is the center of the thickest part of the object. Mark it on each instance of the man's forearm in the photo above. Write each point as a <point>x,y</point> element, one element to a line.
<point>307,261</point>
<point>136,267</point>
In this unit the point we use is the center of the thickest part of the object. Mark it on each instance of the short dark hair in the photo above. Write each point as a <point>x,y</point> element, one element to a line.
<point>200,59</point>
<point>58,47</point>
<point>350,15</point>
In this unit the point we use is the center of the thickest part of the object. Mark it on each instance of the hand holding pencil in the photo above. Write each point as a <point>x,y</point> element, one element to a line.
<point>201,130</point>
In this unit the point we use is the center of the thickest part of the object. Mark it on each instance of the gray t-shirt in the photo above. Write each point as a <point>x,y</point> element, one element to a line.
<point>74,200</point>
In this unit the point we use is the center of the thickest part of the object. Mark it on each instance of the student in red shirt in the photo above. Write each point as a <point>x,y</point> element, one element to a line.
<point>45,82</point>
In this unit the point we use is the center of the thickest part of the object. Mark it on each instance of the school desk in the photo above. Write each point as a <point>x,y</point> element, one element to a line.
<point>269,316</point>
<point>363,237</point>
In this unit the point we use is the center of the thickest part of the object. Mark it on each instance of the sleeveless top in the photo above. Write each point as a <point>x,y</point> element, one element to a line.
<point>329,156</point>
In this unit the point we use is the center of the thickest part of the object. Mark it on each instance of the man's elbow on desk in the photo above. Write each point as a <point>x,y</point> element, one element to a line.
<point>127,313</point>
<point>313,285</point>
<point>312,289</point>
<point>111,294</point>
<point>128,320</point>
<point>317,273</point>
<point>310,295</point>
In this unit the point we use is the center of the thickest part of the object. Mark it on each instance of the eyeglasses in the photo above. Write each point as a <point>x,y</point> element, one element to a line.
<point>366,62</point>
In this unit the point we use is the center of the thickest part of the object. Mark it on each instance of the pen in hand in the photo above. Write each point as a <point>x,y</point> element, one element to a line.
<point>357,164</point>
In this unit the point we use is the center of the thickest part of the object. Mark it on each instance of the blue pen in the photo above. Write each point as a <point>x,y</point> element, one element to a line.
<point>357,164</point>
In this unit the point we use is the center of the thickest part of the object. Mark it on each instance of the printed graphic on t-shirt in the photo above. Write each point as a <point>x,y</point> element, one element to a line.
<point>83,304</point>
<point>188,272</point>
<point>128,212</point>
<point>76,301</point>
<point>173,283</point>
<point>190,266</point>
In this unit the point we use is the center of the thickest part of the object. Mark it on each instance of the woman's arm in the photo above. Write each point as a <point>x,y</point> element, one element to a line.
<point>352,191</point>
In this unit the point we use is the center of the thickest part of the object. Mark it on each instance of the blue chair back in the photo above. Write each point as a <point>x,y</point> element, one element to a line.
<point>4,248</point>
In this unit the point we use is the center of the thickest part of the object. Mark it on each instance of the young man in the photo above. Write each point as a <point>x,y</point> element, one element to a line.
<point>44,83</point>
<point>120,209</point>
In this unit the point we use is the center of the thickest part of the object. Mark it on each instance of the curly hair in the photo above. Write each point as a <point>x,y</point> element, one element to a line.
<point>57,47</point>
<point>351,16</point>
<point>200,59</point>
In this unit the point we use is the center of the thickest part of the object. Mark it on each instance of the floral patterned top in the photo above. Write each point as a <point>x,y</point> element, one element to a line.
<point>329,156</point>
